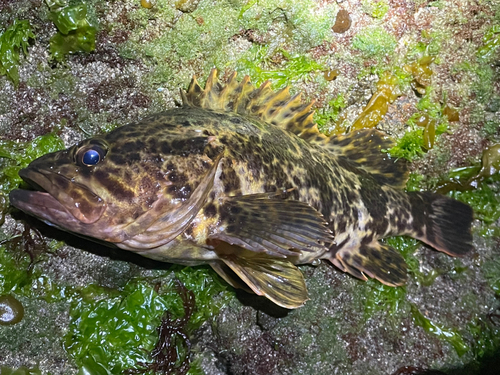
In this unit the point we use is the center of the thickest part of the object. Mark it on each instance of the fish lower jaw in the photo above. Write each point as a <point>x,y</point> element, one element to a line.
<point>41,205</point>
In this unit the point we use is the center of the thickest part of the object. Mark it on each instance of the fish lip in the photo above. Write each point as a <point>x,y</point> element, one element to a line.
<point>42,205</point>
<point>52,202</point>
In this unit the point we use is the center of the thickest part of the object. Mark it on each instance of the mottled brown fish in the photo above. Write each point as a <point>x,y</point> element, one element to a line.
<point>240,178</point>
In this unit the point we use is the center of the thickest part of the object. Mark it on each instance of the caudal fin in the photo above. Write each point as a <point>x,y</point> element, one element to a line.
<point>442,222</point>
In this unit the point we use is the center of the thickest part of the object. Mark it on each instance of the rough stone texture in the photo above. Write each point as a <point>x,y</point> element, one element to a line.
<point>143,57</point>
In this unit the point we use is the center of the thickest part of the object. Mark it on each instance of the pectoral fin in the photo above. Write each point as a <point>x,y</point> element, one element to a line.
<point>277,279</point>
<point>376,260</point>
<point>267,223</point>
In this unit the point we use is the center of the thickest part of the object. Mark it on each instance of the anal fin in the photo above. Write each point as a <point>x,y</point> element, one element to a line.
<point>277,279</point>
<point>375,260</point>
<point>347,268</point>
<point>229,276</point>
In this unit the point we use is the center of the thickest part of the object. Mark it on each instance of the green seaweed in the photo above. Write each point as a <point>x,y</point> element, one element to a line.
<point>431,47</point>
<point>300,22</point>
<point>485,338</point>
<point>485,201</point>
<point>23,370</point>
<point>443,333</point>
<point>491,41</point>
<point>111,331</point>
<point>104,333</point>
<point>75,31</point>
<point>12,41</point>
<point>380,297</point>
<point>415,182</point>
<point>410,146</point>
<point>327,117</point>
<point>203,36</point>
<point>491,128</point>
<point>294,68</point>
<point>374,42</point>
<point>200,36</point>
<point>377,9</point>
<point>492,273</point>
<point>14,275</point>
<point>484,82</point>
<point>17,155</point>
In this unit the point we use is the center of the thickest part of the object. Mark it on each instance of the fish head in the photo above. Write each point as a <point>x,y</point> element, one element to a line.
<point>120,185</point>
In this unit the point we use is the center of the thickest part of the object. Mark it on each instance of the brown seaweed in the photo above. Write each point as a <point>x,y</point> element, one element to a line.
<point>172,353</point>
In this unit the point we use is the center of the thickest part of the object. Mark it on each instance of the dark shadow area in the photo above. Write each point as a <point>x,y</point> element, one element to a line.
<point>487,365</point>
<point>261,303</point>
<point>94,247</point>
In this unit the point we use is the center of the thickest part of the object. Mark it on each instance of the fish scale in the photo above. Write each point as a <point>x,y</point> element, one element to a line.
<point>240,178</point>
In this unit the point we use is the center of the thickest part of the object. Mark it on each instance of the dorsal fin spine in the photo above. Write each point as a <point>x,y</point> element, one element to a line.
<point>363,147</point>
<point>245,99</point>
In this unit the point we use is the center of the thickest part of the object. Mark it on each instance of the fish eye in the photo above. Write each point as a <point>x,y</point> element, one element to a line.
<point>91,156</point>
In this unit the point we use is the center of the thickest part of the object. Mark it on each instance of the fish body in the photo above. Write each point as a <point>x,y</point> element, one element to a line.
<point>240,178</point>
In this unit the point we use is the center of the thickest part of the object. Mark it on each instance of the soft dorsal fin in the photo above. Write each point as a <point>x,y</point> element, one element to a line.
<point>364,147</point>
<point>277,108</point>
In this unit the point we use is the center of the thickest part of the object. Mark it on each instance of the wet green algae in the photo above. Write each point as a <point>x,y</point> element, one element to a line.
<point>76,32</point>
<point>13,41</point>
<point>17,155</point>
<point>164,53</point>
<point>110,330</point>
<point>19,371</point>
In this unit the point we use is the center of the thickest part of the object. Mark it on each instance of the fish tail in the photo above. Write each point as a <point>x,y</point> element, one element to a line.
<point>442,222</point>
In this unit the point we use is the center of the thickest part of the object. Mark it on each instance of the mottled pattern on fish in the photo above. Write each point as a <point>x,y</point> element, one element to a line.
<point>240,178</point>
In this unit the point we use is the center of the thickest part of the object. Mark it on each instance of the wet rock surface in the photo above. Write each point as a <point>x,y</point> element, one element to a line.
<point>445,318</point>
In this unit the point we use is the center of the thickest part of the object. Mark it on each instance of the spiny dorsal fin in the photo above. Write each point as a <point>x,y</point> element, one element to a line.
<point>277,108</point>
<point>364,147</point>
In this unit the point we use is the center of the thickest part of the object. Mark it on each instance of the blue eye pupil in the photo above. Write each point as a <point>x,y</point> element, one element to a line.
<point>91,157</point>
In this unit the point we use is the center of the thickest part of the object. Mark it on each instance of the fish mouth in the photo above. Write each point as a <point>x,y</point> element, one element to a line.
<point>57,199</point>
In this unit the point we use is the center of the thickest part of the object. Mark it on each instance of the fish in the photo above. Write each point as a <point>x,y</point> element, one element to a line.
<point>239,177</point>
